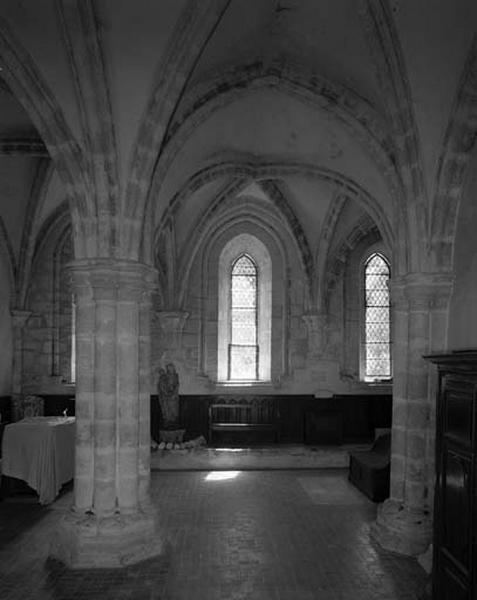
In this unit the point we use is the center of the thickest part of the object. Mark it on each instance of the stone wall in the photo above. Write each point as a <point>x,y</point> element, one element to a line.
<point>47,332</point>
<point>306,358</point>
<point>310,353</point>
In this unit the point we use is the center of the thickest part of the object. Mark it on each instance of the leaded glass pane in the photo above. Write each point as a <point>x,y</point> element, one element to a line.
<point>245,266</point>
<point>377,319</point>
<point>377,331</point>
<point>243,361</point>
<point>377,297</point>
<point>244,326</point>
<point>244,290</point>
<point>377,314</point>
<point>243,351</point>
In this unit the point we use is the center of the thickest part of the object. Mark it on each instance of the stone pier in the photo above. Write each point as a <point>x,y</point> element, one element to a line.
<point>404,521</point>
<point>112,522</point>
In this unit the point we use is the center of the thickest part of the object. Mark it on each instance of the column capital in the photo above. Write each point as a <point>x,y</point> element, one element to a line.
<point>112,279</point>
<point>421,290</point>
<point>172,323</point>
<point>20,317</point>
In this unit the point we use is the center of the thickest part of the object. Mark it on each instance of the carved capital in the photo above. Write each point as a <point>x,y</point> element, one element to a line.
<point>112,280</point>
<point>172,323</point>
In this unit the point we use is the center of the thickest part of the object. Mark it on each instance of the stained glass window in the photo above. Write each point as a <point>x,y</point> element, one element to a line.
<point>243,348</point>
<point>377,319</point>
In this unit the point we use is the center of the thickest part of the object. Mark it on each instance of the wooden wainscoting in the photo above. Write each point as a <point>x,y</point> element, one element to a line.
<point>342,418</point>
<point>303,418</point>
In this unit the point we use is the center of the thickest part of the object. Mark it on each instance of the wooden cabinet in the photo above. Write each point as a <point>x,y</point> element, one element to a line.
<point>455,509</point>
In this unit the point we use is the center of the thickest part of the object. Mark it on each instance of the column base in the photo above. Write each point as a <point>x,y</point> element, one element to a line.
<point>402,530</point>
<point>90,542</point>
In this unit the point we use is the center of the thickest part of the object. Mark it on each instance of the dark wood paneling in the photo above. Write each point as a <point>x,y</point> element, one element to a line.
<point>304,418</point>
<point>6,408</point>
<point>292,417</point>
<point>345,418</point>
<point>323,426</point>
<point>57,403</point>
<point>194,414</point>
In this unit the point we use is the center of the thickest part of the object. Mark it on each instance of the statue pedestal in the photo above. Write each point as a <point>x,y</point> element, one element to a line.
<point>176,436</point>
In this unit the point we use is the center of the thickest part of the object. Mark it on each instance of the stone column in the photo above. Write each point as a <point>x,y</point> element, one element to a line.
<point>404,521</point>
<point>112,522</point>
<point>19,319</point>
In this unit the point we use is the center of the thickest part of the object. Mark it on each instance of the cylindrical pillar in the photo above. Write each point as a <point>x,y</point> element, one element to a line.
<point>404,521</point>
<point>112,522</point>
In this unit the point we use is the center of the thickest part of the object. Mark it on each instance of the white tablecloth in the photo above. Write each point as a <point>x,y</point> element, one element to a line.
<point>40,451</point>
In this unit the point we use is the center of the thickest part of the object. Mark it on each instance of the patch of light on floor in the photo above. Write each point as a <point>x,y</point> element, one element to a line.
<point>229,449</point>
<point>221,475</point>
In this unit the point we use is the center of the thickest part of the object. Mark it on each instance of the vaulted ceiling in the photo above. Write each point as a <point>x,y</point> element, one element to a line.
<point>321,96</point>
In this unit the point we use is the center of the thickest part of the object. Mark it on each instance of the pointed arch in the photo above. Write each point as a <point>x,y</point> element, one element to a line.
<point>327,231</point>
<point>459,142</point>
<point>228,85</point>
<point>251,168</point>
<point>81,32</point>
<point>385,46</point>
<point>277,192</point>
<point>26,83</point>
<point>188,41</point>
<point>336,262</point>
<point>43,175</point>
<point>282,223</point>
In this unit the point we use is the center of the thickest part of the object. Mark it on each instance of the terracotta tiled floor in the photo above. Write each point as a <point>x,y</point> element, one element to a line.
<point>281,535</point>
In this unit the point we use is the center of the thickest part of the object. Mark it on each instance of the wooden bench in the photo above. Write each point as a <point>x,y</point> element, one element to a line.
<point>258,415</point>
<point>369,470</point>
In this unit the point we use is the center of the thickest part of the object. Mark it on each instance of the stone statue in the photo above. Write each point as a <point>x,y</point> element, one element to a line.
<point>168,394</point>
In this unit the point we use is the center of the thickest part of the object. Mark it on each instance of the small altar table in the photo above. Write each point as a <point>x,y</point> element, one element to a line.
<point>40,451</point>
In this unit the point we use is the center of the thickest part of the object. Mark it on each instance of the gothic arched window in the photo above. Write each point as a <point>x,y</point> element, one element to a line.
<point>377,319</point>
<point>243,347</point>
<point>244,324</point>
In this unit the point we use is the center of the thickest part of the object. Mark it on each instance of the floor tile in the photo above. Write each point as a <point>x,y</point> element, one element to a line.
<point>251,535</point>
